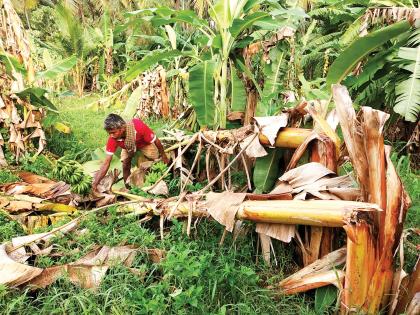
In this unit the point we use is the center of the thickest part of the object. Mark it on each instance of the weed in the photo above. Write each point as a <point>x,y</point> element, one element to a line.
<point>197,276</point>
<point>6,176</point>
<point>411,181</point>
<point>9,228</point>
<point>38,164</point>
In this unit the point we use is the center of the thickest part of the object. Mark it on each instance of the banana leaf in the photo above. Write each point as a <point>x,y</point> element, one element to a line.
<point>132,103</point>
<point>12,63</point>
<point>240,25</point>
<point>238,94</point>
<point>407,103</point>
<point>272,85</point>
<point>201,92</point>
<point>360,48</point>
<point>151,60</point>
<point>266,170</point>
<point>36,96</point>
<point>61,67</point>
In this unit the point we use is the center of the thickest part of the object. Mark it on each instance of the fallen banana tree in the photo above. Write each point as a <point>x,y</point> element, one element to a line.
<point>314,212</point>
<point>370,264</point>
<point>311,197</point>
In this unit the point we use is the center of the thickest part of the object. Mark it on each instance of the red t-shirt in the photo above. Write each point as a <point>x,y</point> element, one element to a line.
<point>144,136</point>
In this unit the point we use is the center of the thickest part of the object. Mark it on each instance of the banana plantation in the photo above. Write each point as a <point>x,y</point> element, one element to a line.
<point>209,157</point>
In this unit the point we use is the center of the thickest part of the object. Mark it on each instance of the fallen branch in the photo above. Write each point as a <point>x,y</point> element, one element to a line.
<point>226,168</point>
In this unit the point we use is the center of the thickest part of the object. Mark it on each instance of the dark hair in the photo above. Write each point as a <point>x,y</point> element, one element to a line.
<point>113,121</point>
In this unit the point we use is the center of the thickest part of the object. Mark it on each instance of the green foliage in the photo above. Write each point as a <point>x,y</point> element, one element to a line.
<point>6,176</point>
<point>132,103</point>
<point>267,170</point>
<point>195,269</point>
<point>407,103</point>
<point>235,25</point>
<point>360,48</point>
<point>274,79</point>
<point>74,35</point>
<point>411,180</point>
<point>36,96</point>
<point>37,164</point>
<point>86,125</point>
<point>237,91</point>
<point>60,68</point>
<point>149,61</point>
<point>11,64</point>
<point>201,90</point>
<point>8,228</point>
<point>43,24</point>
<point>324,298</point>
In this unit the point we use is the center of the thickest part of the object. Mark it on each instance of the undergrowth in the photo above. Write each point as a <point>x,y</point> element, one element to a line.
<point>411,180</point>
<point>9,228</point>
<point>7,176</point>
<point>197,276</point>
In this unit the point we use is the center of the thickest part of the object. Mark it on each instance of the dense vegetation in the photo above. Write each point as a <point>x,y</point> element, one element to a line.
<point>89,56</point>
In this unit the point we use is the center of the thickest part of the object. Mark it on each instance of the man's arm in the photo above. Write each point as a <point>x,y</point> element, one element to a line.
<point>102,172</point>
<point>161,150</point>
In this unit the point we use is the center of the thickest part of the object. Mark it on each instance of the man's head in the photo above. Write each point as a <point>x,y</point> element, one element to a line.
<point>115,126</point>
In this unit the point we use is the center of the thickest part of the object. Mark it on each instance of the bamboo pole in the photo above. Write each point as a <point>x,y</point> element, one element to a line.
<point>288,138</point>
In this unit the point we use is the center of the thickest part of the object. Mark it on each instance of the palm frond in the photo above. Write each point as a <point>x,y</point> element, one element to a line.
<point>71,31</point>
<point>351,33</point>
<point>312,59</point>
<point>372,93</point>
<point>328,13</point>
<point>314,44</point>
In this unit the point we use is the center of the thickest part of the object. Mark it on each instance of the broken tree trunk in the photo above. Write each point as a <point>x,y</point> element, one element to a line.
<point>320,241</point>
<point>335,213</point>
<point>370,253</point>
<point>320,273</point>
<point>310,212</point>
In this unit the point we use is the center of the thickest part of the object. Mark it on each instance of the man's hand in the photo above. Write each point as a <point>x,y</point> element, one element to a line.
<point>161,150</point>
<point>101,173</point>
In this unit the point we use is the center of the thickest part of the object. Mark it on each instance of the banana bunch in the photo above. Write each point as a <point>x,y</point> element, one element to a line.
<point>71,172</point>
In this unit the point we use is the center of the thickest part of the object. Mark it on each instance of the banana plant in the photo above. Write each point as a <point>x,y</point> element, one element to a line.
<point>391,69</point>
<point>407,103</point>
<point>233,25</point>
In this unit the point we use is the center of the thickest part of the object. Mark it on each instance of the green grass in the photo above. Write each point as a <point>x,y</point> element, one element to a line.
<point>86,123</point>
<point>9,228</point>
<point>7,176</point>
<point>411,180</point>
<point>197,277</point>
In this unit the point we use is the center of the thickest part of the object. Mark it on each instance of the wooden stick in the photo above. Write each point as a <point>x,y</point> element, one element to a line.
<point>197,157</point>
<point>229,165</point>
<point>192,140</point>
<point>248,178</point>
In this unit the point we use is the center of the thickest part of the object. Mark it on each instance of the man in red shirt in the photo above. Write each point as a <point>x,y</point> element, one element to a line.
<point>131,136</point>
